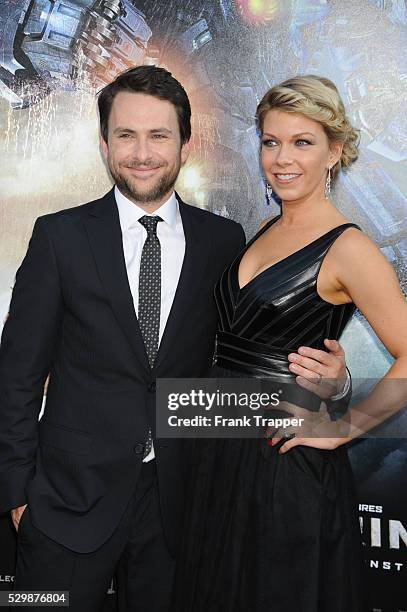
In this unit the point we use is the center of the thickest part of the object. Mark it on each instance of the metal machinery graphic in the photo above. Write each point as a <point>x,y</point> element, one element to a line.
<point>63,44</point>
<point>51,44</point>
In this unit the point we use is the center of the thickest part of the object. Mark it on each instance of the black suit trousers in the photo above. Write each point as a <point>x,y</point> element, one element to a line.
<point>136,551</point>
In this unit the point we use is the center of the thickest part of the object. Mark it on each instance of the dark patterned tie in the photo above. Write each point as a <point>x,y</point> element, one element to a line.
<point>149,294</point>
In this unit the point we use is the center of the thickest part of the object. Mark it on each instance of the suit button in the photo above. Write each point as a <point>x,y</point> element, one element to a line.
<point>139,449</point>
<point>152,387</point>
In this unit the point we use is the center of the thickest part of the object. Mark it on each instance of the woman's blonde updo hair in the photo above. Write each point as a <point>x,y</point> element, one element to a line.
<point>317,98</point>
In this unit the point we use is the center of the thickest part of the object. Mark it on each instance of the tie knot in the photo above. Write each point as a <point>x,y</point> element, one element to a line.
<point>150,223</point>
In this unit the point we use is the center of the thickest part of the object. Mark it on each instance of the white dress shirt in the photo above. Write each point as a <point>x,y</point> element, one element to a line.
<point>170,233</point>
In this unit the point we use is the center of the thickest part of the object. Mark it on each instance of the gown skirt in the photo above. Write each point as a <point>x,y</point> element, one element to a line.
<point>266,531</point>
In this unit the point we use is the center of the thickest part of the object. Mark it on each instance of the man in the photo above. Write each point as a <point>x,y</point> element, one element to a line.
<point>110,296</point>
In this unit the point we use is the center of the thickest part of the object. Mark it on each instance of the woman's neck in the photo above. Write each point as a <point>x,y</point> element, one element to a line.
<point>310,212</point>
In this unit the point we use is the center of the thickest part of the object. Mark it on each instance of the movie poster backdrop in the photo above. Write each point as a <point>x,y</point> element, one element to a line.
<point>55,55</point>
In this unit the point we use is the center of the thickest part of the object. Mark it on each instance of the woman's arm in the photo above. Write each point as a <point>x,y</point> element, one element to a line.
<point>365,277</point>
<point>371,283</point>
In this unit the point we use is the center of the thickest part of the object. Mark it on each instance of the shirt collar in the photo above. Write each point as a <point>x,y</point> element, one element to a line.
<point>130,213</point>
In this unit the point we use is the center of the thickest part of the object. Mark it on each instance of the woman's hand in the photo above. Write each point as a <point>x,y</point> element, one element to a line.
<point>321,443</point>
<point>317,431</point>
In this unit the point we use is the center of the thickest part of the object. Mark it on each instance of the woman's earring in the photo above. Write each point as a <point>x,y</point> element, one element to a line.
<point>328,184</point>
<point>269,191</point>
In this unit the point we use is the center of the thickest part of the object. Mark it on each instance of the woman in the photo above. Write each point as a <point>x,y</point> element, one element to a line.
<point>273,526</point>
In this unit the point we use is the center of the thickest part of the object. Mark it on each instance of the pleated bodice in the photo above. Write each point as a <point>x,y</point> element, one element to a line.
<point>278,310</point>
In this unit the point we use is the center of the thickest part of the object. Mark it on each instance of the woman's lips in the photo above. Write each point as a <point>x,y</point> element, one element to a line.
<point>286,178</point>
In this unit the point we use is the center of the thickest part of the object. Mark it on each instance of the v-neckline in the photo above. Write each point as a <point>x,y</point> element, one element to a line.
<point>280,261</point>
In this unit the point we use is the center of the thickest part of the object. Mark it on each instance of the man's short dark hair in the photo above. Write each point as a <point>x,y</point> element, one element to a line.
<point>152,81</point>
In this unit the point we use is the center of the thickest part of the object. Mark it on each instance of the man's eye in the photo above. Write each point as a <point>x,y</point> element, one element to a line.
<point>269,143</point>
<point>159,136</point>
<point>124,135</point>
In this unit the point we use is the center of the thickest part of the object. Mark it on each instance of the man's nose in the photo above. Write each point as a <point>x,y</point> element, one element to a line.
<point>142,149</point>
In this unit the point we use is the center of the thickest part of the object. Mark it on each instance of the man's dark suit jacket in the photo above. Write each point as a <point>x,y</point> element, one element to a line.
<point>72,316</point>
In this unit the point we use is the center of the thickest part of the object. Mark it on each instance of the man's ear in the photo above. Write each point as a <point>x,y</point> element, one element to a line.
<point>104,147</point>
<point>185,151</point>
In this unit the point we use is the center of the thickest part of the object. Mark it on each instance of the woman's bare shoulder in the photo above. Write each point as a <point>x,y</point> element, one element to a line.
<point>356,253</point>
<point>353,242</point>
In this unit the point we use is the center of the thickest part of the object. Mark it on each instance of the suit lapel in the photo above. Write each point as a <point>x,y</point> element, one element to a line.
<point>195,260</point>
<point>105,238</point>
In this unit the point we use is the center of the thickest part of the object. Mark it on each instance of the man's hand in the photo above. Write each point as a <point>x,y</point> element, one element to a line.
<point>322,372</point>
<point>16,515</point>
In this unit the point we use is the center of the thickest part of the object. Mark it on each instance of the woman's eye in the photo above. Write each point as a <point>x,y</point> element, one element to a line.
<point>269,143</point>
<point>303,142</point>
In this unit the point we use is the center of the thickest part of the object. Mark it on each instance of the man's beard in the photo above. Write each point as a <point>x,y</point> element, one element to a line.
<point>156,193</point>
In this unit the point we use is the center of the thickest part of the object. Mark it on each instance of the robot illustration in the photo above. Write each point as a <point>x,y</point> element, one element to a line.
<point>228,53</point>
<point>65,44</point>
<point>55,44</point>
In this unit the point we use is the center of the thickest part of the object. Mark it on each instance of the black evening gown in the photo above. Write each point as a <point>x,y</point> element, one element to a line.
<point>265,531</point>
